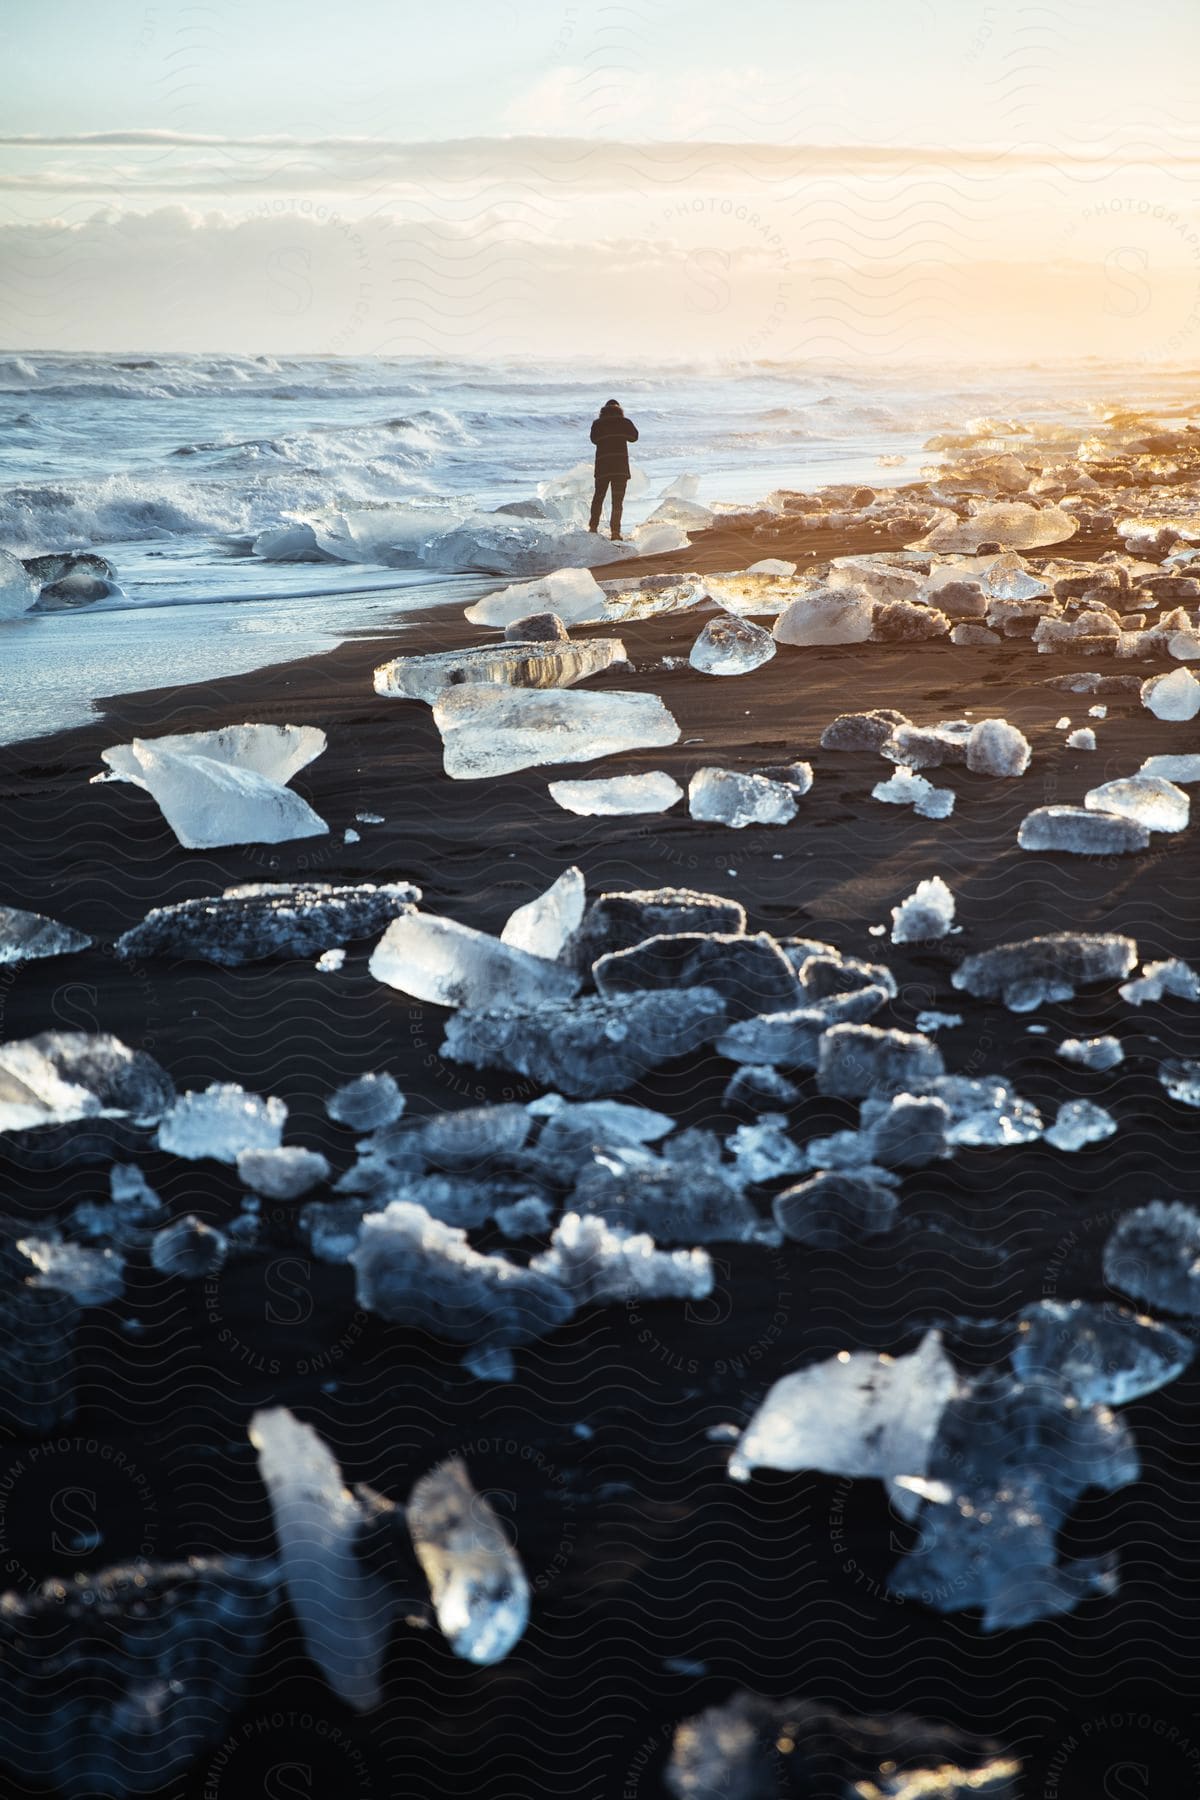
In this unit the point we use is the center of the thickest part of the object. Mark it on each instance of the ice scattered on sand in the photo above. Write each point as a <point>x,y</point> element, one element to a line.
<point>366,1104</point>
<point>189,1249</point>
<point>596,1262</point>
<point>447,964</point>
<point>1078,831</point>
<point>532,665</point>
<point>269,918</point>
<point>221,1122</point>
<point>1157,979</point>
<point>724,797</point>
<point>1153,1253</point>
<point>228,786</point>
<point>1148,800</point>
<point>997,748</point>
<point>906,789</point>
<point>1180,769</point>
<point>546,926</point>
<point>479,1590</point>
<point>731,646</point>
<point>343,1610</point>
<point>90,1277</point>
<point>857,1414</point>
<point>488,731</point>
<point>1030,972</point>
<point>282,1174</point>
<point>1174,696</point>
<point>1098,1053</point>
<point>928,913</point>
<point>1084,738</point>
<point>826,616</point>
<point>1079,1123</point>
<point>27,935</point>
<point>614,796</point>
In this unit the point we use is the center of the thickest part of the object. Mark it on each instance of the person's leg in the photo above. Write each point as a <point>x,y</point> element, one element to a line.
<point>598,494</point>
<point>618,501</point>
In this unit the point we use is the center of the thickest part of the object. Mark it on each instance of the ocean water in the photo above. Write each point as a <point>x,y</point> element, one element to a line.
<point>172,466</point>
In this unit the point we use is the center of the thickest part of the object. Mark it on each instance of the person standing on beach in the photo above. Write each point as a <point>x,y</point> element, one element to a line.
<point>612,434</point>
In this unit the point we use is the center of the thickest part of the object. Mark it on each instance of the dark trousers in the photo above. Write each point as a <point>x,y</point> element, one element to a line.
<point>618,483</point>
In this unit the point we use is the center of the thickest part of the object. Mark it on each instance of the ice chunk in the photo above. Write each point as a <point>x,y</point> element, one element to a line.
<point>330,961</point>
<point>221,1122</point>
<point>928,746</point>
<point>795,775</point>
<point>343,1610</point>
<point>928,913</point>
<point>751,974</point>
<point>570,1133</point>
<point>759,1087</point>
<point>793,1038</point>
<point>906,789</point>
<point>857,1060</point>
<point>904,622</point>
<point>904,1131</point>
<point>1081,832</point>
<point>932,1020</point>
<point>545,926</point>
<point>210,802</point>
<point>731,646</point>
<point>723,797</point>
<point>276,752</point>
<point>489,731</point>
<point>366,1103</point>
<point>831,1211</point>
<point>531,1217</point>
<point>189,1249</point>
<point>1079,1122</point>
<point>63,1076</point>
<point>1180,769</point>
<point>1153,1253</point>
<point>18,589</point>
<point>997,748</point>
<point>617,795</point>
<point>126,1216</point>
<point>1011,524</point>
<point>865,731</point>
<point>416,1271</point>
<point>985,1113</point>
<point>1180,1078</point>
<point>26,935</point>
<point>479,1590</point>
<point>1148,800</point>
<point>764,1151</point>
<point>1029,972</point>
<point>282,1174</point>
<point>537,628</point>
<point>857,1414</point>
<point>1173,977</point>
<point>524,547</point>
<point>827,616</point>
<point>686,1196</point>
<point>532,665</point>
<point>1102,1355</point>
<point>270,918</point>
<point>446,964</point>
<point>1173,696</point>
<point>771,565</point>
<point>615,921</point>
<point>90,1277</point>
<point>595,1262</point>
<point>574,594</point>
<point>1082,739</point>
<point>1097,1053</point>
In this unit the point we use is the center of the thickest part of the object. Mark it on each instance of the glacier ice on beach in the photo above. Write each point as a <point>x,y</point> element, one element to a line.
<point>1078,831</point>
<point>1030,972</point>
<point>1180,1078</point>
<point>751,973</point>
<point>906,789</point>
<point>724,797</point>
<point>834,1209</point>
<point>1084,738</point>
<point>367,1103</point>
<point>616,796</point>
<point>686,1195</point>
<point>18,589</point>
<point>614,921</point>
<point>1079,1123</point>
<point>25,936</point>
<point>533,665</point>
<point>857,1414</point>
<point>928,913</point>
<point>1098,1053</point>
<point>985,1113</point>
<point>865,731</point>
<point>63,1076</point>
<point>792,1039</point>
<point>1149,800</point>
<point>1102,1355</point>
<point>488,731</point>
<point>1180,769</point>
<point>731,646</point>
<point>447,964</point>
<point>276,752</point>
<point>1013,525</point>
<point>1174,977</point>
<point>997,748</point>
<point>221,1122</point>
<point>764,1151</point>
<point>228,786</point>
<point>573,594</point>
<point>282,1174</point>
<point>826,616</point>
<point>590,1047</point>
<point>479,1589</point>
<point>189,1249</point>
<point>1153,1253</point>
<point>342,1608</point>
<point>269,918</point>
<point>1175,696</point>
<point>547,925</point>
<point>857,1060</point>
<point>92,1277</point>
<point>597,1262</point>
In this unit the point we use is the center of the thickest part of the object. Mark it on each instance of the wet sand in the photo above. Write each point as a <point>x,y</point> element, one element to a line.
<point>639,1548</point>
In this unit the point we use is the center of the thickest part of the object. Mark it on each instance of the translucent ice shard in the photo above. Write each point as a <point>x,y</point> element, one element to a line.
<point>221,1122</point>
<point>617,795</point>
<point>1097,1053</point>
<point>228,786</point>
<point>906,789</point>
<point>833,1210</point>
<point>857,1414</point>
<point>596,1262</point>
<point>366,1103</point>
<point>827,616</point>
<point>1012,525</point>
<point>731,646</point>
<point>752,974</point>
<point>63,1076</point>
<point>447,964</point>
<point>276,752</point>
<point>865,731</point>
<point>1101,1354</point>
<point>478,1587</point>
<point>1149,800</point>
<point>489,731</point>
<point>997,748</point>
<point>858,1060</point>
<point>18,589</point>
<point>1173,977</point>
<point>189,1249</point>
<point>343,1610</point>
<point>1173,696</point>
<point>723,797</point>
<point>1080,832</point>
<point>688,1195</point>
<point>1180,769</point>
<point>1153,1253</point>
<point>532,665</point>
<point>264,919</point>
<point>1033,971</point>
<point>282,1174</point>
<point>545,926</point>
<point>615,921</point>
<point>1079,1123</point>
<point>928,913</point>
<point>26,935</point>
<point>574,594</point>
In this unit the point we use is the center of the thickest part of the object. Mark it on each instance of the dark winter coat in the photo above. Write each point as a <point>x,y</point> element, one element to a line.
<point>612,434</point>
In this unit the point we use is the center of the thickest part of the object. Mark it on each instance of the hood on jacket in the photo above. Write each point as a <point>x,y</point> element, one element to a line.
<point>611,406</point>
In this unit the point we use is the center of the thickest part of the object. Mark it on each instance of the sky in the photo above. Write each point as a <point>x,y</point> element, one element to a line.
<point>853,180</point>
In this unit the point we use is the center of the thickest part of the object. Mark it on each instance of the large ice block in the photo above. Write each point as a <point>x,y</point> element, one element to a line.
<point>488,731</point>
